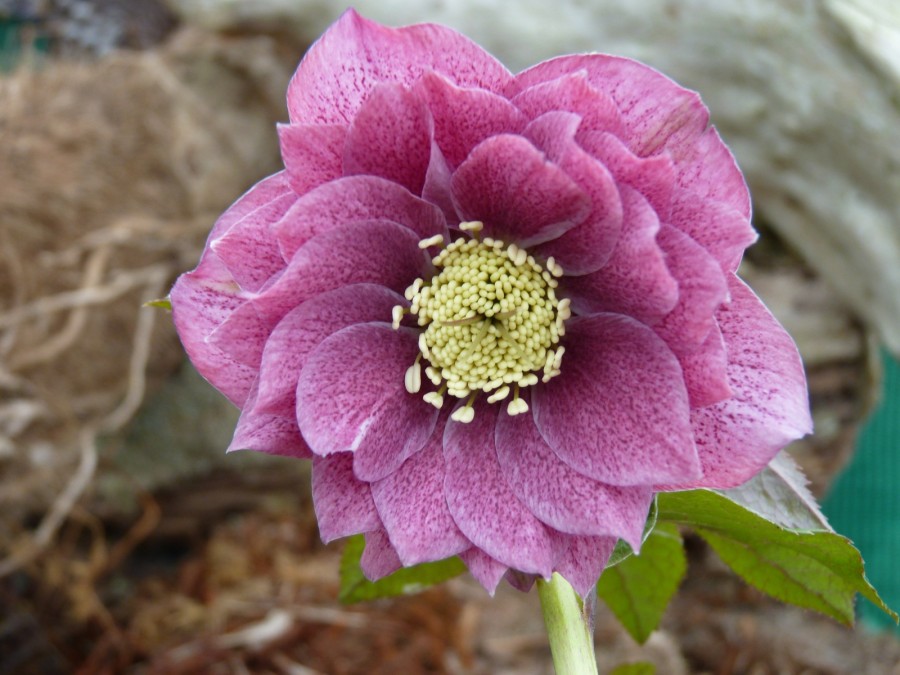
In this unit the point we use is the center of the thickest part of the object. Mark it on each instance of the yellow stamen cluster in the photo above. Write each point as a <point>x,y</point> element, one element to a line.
<point>491,321</point>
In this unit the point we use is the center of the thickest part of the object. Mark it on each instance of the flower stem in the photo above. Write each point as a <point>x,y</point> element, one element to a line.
<point>571,639</point>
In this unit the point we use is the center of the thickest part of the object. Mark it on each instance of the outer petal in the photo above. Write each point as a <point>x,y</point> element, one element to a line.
<point>301,331</point>
<point>701,289</point>
<point>521,197</point>
<point>583,560</point>
<point>351,397</point>
<point>636,281</point>
<point>659,114</point>
<point>572,93</point>
<point>413,508</point>
<point>354,199</point>
<point>465,117</point>
<point>379,558</point>
<point>312,153</point>
<point>560,496</point>
<point>343,503</point>
<point>589,245</point>
<point>264,192</point>
<point>706,371</point>
<point>724,232</point>
<point>201,301</point>
<point>344,65</point>
<point>710,171</point>
<point>738,437</point>
<point>482,504</point>
<point>264,432</point>
<point>619,411</point>
<point>390,137</point>
<point>487,571</point>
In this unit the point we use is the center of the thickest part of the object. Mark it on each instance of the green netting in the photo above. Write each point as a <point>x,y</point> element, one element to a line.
<point>865,501</point>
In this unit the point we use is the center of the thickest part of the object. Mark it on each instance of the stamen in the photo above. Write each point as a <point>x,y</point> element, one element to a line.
<point>413,378</point>
<point>435,398</point>
<point>517,406</point>
<point>397,313</point>
<point>499,395</point>
<point>472,226</point>
<point>436,240</point>
<point>465,414</point>
<point>413,290</point>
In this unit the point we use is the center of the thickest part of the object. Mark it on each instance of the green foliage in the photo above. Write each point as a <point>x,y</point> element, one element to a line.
<point>639,588</point>
<point>356,588</point>
<point>639,668</point>
<point>163,303</point>
<point>818,570</point>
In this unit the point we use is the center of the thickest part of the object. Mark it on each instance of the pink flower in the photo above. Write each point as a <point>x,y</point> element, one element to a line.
<point>499,312</point>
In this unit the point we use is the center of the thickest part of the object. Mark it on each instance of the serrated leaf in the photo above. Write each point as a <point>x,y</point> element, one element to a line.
<point>640,668</point>
<point>638,589</point>
<point>820,570</point>
<point>406,581</point>
<point>779,494</point>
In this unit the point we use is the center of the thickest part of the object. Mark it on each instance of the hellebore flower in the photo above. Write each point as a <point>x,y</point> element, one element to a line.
<point>498,312</point>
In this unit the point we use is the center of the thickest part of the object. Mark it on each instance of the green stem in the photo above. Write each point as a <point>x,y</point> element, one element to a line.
<point>571,639</point>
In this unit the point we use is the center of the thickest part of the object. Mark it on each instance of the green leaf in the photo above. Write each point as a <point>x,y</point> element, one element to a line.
<point>622,550</point>
<point>819,570</point>
<point>779,494</point>
<point>639,588</point>
<point>164,303</point>
<point>639,668</point>
<point>406,581</point>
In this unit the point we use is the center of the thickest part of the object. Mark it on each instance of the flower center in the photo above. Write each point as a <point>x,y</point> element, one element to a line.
<point>491,321</point>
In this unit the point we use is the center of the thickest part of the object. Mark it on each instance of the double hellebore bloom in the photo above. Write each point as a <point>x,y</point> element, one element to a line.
<point>498,312</point>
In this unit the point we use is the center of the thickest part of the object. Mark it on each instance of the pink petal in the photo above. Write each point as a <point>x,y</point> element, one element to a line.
<point>249,248</point>
<point>265,432</point>
<point>724,232</point>
<point>378,252</point>
<point>519,195</point>
<point>619,411</point>
<point>201,301</point>
<point>653,177</point>
<point>770,408</point>
<point>658,114</point>
<point>589,245</point>
<point>353,199</point>
<point>636,281</point>
<point>487,571</point>
<point>560,496</point>
<point>312,153</point>
<point>343,66</point>
<point>379,558</point>
<point>701,289</point>
<point>583,560</point>
<point>709,170</point>
<point>437,189</point>
<point>390,137</point>
<point>351,397</point>
<point>705,371</point>
<point>342,502</point>
<point>301,331</point>
<point>519,580</point>
<point>413,509</point>
<point>481,502</point>
<point>572,93</point>
<point>465,117</point>
<point>264,192</point>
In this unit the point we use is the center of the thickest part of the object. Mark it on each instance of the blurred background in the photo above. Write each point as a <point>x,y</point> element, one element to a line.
<point>130,544</point>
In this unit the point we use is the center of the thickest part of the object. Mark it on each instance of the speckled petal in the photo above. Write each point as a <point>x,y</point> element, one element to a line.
<point>463,117</point>
<point>709,170</point>
<point>270,433</point>
<point>706,371</point>
<point>560,496</point>
<point>636,281</point>
<point>619,413</point>
<point>487,571</point>
<point>413,508</point>
<point>355,199</point>
<point>390,137</point>
<point>587,246</point>
<point>770,408</point>
<point>301,331</point>
<point>343,503</point>
<point>519,195</point>
<point>583,560</point>
<point>483,505</point>
<point>312,153</point>
<point>351,397</point>
<point>724,232</point>
<point>342,67</point>
<point>379,558</point>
